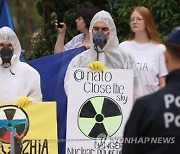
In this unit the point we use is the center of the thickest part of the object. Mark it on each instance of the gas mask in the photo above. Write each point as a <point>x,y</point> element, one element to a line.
<point>6,55</point>
<point>99,39</point>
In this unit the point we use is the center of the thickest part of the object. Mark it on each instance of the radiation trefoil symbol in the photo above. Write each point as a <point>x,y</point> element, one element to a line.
<point>12,119</point>
<point>99,116</point>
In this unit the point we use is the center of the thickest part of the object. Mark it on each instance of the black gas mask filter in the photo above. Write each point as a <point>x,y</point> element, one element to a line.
<point>6,55</point>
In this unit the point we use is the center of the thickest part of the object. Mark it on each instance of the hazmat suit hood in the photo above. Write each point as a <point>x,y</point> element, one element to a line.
<point>112,56</point>
<point>19,79</point>
<point>7,34</point>
<point>112,42</point>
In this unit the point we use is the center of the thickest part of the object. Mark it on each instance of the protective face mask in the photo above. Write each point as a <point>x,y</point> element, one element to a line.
<point>99,39</point>
<point>5,56</point>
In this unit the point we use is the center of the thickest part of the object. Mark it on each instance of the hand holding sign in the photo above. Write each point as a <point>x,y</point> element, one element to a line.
<point>97,65</point>
<point>22,101</point>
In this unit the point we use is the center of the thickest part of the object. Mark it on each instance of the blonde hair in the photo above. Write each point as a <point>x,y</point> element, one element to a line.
<point>149,24</point>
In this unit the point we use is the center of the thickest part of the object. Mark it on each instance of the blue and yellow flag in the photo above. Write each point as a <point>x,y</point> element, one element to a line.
<point>6,18</point>
<point>52,69</point>
<point>5,15</point>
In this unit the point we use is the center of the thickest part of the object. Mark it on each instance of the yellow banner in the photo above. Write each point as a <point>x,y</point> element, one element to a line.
<point>32,129</point>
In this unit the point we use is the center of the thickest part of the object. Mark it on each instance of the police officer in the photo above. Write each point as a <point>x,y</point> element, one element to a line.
<point>154,123</point>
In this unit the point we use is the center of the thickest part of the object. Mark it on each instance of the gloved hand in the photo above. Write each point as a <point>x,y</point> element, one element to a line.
<point>22,101</point>
<point>97,65</point>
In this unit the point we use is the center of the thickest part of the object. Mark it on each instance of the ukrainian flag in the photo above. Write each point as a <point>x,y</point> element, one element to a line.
<point>5,15</point>
<point>6,18</point>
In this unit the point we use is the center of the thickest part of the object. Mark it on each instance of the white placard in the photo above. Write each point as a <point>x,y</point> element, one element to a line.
<point>99,104</point>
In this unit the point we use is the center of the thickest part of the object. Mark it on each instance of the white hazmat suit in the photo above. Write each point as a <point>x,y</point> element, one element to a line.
<point>111,56</point>
<point>19,79</point>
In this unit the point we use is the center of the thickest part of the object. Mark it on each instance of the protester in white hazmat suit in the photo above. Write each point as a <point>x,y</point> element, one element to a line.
<point>19,82</point>
<point>104,51</point>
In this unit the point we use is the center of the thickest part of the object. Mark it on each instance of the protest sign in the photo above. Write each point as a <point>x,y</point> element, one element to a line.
<point>31,129</point>
<point>99,104</point>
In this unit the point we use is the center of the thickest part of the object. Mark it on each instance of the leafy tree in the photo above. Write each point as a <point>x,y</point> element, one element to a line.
<point>166,15</point>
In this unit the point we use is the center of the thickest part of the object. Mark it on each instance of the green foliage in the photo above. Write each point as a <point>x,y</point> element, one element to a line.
<point>43,43</point>
<point>166,15</point>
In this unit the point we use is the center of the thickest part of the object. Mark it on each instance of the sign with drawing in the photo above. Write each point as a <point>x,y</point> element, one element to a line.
<point>99,104</point>
<point>28,130</point>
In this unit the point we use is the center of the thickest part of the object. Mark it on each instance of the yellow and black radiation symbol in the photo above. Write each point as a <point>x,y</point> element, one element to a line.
<point>12,117</point>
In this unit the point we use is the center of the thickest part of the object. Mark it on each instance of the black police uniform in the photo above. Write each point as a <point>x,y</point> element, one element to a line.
<point>154,124</point>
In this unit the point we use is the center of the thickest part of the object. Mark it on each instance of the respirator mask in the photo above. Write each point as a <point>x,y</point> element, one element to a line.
<point>99,39</point>
<point>6,55</point>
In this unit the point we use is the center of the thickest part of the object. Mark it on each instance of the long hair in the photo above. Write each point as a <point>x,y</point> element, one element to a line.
<point>87,14</point>
<point>149,24</point>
